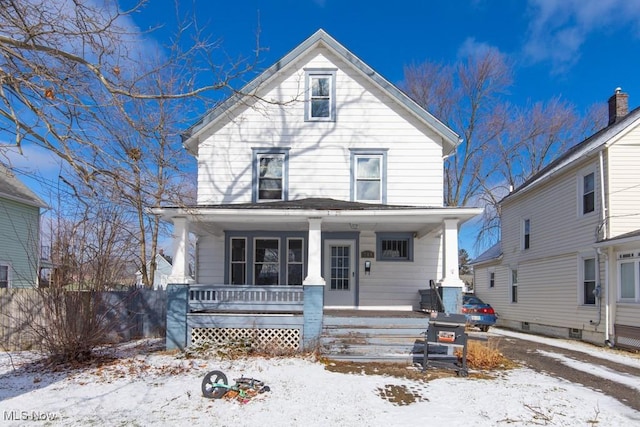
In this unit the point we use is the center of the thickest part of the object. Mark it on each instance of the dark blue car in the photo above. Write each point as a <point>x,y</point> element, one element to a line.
<point>479,313</point>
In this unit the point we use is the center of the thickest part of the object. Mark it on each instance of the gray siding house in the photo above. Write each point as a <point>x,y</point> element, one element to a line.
<point>568,263</point>
<point>20,256</point>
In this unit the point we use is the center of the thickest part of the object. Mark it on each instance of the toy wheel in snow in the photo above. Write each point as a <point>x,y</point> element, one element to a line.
<point>214,385</point>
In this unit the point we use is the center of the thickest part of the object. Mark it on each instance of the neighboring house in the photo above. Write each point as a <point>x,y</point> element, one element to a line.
<point>324,173</point>
<point>20,257</point>
<point>568,263</point>
<point>161,274</point>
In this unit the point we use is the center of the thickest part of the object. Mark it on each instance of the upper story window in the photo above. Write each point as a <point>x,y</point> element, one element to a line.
<point>394,246</point>
<point>492,278</point>
<point>320,93</point>
<point>368,172</point>
<point>588,201</point>
<point>4,276</point>
<point>270,174</point>
<point>526,234</point>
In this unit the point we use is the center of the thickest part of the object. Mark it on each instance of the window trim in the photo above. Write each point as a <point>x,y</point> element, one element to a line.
<point>582,284</point>
<point>278,240</point>
<point>250,237</point>
<point>245,262</point>
<point>257,152</point>
<point>626,257</point>
<point>8,266</point>
<point>311,73</point>
<point>514,285</point>
<point>355,154</point>
<point>526,234</point>
<point>380,237</point>
<point>288,262</point>
<point>491,277</point>
<point>582,194</point>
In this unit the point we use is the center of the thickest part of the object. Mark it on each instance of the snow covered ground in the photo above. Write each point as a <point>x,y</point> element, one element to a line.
<point>155,388</point>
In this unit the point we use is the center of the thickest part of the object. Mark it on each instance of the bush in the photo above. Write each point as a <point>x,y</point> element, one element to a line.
<point>485,356</point>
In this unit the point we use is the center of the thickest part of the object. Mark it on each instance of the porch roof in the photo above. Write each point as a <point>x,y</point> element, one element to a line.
<point>336,215</point>
<point>630,240</point>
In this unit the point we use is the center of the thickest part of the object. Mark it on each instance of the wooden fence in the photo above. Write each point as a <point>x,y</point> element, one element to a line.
<point>130,314</point>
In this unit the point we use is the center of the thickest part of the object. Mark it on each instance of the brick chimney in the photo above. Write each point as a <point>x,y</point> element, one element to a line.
<point>618,106</point>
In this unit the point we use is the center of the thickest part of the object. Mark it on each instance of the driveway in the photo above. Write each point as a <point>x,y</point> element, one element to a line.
<point>613,372</point>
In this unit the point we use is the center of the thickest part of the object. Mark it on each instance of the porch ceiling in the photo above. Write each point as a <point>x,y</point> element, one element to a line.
<point>335,215</point>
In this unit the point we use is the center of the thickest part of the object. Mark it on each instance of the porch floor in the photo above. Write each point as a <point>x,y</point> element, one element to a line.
<point>402,314</point>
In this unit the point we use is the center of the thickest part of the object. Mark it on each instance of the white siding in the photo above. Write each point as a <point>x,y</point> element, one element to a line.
<point>624,183</point>
<point>556,225</point>
<point>210,260</point>
<point>395,283</point>
<point>319,163</point>
<point>549,292</point>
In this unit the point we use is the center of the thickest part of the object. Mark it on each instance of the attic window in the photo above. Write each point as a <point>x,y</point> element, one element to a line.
<point>320,102</point>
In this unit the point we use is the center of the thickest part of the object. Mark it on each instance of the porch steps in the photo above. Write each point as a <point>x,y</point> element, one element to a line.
<point>371,338</point>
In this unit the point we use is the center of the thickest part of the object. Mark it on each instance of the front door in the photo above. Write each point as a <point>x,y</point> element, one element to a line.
<point>339,273</point>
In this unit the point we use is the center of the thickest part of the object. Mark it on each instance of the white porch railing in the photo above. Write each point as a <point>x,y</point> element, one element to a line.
<point>256,299</point>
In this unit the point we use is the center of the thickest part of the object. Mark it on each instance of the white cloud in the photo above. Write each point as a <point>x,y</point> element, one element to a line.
<point>559,28</point>
<point>471,47</point>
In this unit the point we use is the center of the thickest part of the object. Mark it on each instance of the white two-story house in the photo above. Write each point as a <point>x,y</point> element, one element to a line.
<point>321,172</point>
<point>568,263</point>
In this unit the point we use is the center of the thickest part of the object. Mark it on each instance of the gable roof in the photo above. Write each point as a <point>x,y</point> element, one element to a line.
<point>494,253</point>
<point>585,148</point>
<point>14,189</point>
<point>319,38</point>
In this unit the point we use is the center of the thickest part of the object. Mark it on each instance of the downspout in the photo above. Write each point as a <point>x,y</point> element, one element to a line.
<point>605,235</point>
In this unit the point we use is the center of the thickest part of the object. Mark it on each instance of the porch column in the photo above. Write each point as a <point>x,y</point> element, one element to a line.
<point>313,286</point>
<point>451,284</point>
<point>179,267</point>
<point>314,261</point>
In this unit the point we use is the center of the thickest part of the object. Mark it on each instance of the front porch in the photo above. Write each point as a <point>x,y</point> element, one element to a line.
<point>289,319</point>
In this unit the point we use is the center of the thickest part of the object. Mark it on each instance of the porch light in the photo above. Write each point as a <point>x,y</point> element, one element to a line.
<point>353,226</point>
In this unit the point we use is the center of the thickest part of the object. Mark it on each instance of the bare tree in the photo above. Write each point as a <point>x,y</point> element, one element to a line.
<point>502,145</point>
<point>77,78</point>
<point>467,96</point>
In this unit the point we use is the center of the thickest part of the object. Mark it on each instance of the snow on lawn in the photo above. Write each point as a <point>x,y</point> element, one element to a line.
<point>146,388</point>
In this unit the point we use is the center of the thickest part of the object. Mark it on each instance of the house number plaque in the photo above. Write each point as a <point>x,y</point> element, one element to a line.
<point>367,254</point>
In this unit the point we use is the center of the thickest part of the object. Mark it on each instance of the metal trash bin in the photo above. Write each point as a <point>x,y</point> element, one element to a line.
<point>446,332</point>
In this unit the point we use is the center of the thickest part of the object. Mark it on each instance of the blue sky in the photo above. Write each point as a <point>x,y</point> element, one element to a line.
<point>580,50</point>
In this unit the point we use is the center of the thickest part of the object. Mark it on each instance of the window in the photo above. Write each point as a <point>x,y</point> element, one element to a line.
<point>265,258</point>
<point>368,171</point>
<point>270,174</point>
<point>4,276</point>
<point>266,262</point>
<point>588,280</point>
<point>295,261</point>
<point>514,285</point>
<point>492,278</point>
<point>526,234</point>
<point>320,92</point>
<point>238,261</point>
<point>588,193</point>
<point>394,246</point>
<point>629,276</point>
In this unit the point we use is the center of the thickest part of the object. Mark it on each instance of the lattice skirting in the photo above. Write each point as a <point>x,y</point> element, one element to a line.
<point>269,339</point>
